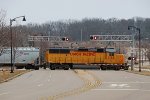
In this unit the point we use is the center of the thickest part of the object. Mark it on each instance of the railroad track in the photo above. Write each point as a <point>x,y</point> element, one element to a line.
<point>90,82</point>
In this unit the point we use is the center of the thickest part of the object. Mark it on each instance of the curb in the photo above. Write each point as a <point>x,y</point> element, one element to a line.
<point>6,80</point>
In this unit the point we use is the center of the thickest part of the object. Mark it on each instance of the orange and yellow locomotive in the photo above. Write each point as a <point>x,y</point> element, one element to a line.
<point>65,58</point>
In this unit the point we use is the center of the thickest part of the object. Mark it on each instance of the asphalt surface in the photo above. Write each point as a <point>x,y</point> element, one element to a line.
<point>78,84</point>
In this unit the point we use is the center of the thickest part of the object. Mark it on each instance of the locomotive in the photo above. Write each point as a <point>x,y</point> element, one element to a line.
<point>105,58</point>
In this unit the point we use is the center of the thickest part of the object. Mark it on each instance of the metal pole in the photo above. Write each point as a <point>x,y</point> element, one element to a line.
<point>139,49</point>
<point>132,54</point>
<point>81,35</point>
<point>142,57</point>
<point>11,38</point>
<point>11,45</point>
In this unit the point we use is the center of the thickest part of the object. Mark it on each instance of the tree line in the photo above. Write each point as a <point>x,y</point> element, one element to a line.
<point>72,29</point>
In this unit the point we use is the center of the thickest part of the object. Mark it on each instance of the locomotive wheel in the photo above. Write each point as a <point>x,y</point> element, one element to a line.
<point>52,67</point>
<point>66,67</point>
<point>117,67</point>
<point>103,67</point>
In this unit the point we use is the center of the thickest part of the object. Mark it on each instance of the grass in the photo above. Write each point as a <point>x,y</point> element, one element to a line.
<point>146,67</point>
<point>146,73</point>
<point>6,75</point>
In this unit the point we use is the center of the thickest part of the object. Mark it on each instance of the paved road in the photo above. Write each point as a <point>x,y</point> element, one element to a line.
<point>39,84</point>
<point>76,85</point>
<point>118,85</point>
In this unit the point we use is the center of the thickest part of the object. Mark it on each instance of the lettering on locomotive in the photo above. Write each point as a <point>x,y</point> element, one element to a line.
<point>83,54</point>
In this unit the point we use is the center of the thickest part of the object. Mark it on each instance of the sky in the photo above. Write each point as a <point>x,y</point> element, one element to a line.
<point>41,11</point>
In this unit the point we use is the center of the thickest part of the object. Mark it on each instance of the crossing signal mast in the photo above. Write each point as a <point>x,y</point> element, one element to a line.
<point>110,38</point>
<point>47,38</point>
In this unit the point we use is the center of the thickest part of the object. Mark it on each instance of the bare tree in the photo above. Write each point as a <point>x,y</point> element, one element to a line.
<point>148,55</point>
<point>4,30</point>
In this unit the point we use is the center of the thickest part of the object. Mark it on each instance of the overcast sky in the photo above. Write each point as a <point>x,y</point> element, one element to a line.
<point>40,11</point>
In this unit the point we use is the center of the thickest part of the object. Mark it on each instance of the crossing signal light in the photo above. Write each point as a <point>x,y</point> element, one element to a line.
<point>65,39</point>
<point>131,58</point>
<point>93,38</point>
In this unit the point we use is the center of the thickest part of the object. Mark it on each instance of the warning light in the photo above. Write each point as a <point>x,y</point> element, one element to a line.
<point>93,38</point>
<point>65,39</point>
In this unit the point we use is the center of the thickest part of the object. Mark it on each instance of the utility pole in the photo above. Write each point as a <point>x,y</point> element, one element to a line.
<point>137,29</point>
<point>139,49</point>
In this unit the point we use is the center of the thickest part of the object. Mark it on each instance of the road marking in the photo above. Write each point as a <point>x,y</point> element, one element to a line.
<point>90,82</point>
<point>49,78</point>
<point>127,82</point>
<point>119,85</point>
<point>116,89</point>
<point>3,93</point>
<point>146,90</point>
<point>40,85</point>
<point>29,75</point>
<point>120,90</point>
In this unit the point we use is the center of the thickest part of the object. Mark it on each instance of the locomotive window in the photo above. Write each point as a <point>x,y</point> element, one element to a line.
<point>100,50</point>
<point>82,49</point>
<point>59,50</point>
<point>53,50</point>
<point>111,53</point>
<point>64,51</point>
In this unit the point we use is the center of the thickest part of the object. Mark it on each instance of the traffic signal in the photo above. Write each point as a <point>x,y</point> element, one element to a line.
<point>93,37</point>
<point>65,39</point>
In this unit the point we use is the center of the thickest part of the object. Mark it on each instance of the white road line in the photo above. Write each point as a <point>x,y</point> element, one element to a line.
<point>119,85</point>
<point>3,93</point>
<point>127,82</point>
<point>116,89</point>
<point>49,78</point>
<point>40,85</point>
<point>146,90</point>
